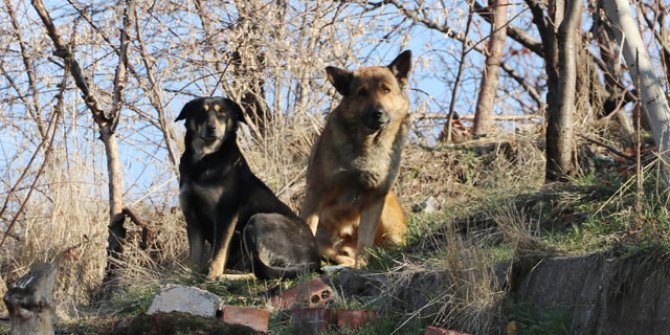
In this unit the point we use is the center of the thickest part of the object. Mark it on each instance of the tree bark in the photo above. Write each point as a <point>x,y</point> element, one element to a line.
<point>559,41</point>
<point>615,97</point>
<point>560,135</point>
<point>652,99</point>
<point>491,75</point>
<point>31,302</point>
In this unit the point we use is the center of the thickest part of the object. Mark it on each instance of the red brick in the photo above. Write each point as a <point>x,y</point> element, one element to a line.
<point>312,293</point>
<point>432,330</point>
<point>354,319</point>
<point>254,318</point>
<point>308,321</point>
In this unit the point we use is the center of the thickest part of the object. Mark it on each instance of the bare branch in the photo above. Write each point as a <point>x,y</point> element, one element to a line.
<point>120,77</point>
<point>155,99</point>
<point>517,34</point>
<point>65,53</point>
<point>459,36</point>
<point>34,109</point>
<point>53,127</point>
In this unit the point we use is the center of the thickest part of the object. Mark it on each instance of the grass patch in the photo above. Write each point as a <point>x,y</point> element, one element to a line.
<point>182,324</point>
<point>4,327</point>
<point>133,300</point>
<point>280,324</point>
<point>533,320</point>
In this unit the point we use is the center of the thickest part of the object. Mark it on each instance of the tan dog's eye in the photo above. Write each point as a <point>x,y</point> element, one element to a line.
<point>386,90</point>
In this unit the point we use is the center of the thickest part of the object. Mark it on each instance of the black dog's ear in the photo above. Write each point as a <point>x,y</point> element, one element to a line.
<point>340,78</point>
<point>187,110</point>
<point>236,109</point>
<point>401,66</point>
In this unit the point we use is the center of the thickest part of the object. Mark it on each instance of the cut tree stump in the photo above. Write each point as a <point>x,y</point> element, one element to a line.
<point>30,301</point>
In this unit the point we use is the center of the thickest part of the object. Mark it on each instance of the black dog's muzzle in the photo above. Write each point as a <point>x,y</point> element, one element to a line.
<point>212,133</point>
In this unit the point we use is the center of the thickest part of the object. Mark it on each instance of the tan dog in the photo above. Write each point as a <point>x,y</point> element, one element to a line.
<point>349,205</point>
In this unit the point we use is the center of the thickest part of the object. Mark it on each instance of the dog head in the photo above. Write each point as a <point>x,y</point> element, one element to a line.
<point>209,122</point>
<point>374,95</point>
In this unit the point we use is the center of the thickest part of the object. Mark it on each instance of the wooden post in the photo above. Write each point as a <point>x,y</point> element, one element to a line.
<point>30,301</point>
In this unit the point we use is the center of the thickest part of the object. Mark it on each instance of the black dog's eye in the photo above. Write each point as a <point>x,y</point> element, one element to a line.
<point>362,92</point>
<point>217,108</point>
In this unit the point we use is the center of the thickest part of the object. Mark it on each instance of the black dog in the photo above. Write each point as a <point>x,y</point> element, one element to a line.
<point>227,205</point>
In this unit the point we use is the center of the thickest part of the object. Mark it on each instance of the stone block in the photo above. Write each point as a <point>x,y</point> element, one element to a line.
<point>191,300</point>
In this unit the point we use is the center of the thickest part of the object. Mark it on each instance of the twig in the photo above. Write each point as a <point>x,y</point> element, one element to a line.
<point>470,117</point>
<point>639,192</point>
<point>607,146</point>
<point>147,234</point>
<point>155,98</point>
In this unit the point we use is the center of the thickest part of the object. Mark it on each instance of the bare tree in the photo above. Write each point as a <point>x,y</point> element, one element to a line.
<point>248,63</point>
<point>653,100</point>
<point>489,84</point>
<point>107,121</point>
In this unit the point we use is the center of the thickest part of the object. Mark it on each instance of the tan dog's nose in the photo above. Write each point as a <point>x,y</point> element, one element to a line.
<point>376,118</point>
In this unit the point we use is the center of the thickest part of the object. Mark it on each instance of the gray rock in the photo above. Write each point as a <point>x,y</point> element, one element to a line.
<point>185,299</point>
<point>429,206</point>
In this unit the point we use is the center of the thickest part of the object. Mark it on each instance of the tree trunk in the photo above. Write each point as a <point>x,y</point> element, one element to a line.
<point>489,84</point>
<point>117,233</point>
<point>652,99</point>
<point>560,136</point>
<point>31,303</point>
<point>615,98</point>
<point>560,53</point>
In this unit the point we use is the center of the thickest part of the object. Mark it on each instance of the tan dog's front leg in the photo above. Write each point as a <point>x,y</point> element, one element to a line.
<point>310,210</point>
<point>221,246</point>
<point>367,229</point>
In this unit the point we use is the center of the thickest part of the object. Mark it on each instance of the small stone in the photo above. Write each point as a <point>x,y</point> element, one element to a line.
<point>429,206</point>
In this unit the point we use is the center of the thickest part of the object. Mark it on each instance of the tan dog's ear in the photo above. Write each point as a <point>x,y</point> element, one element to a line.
<point>401,66</point>
<point>340,78</point>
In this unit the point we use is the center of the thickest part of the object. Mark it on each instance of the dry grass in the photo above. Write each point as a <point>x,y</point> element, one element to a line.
<point>64,225</point>
<point>448,278</point>
<point>521,231</point>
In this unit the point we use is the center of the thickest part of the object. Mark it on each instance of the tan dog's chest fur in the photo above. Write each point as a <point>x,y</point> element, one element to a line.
<point>349,205</point>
